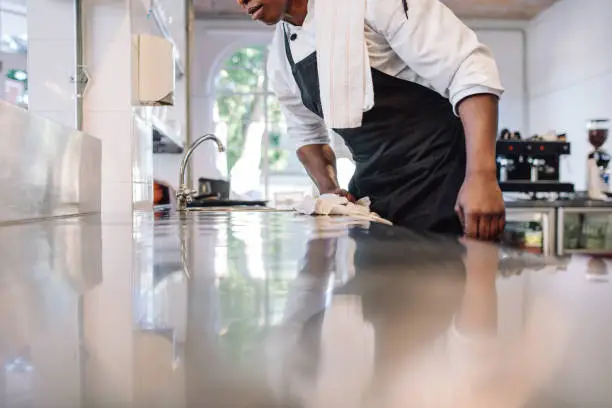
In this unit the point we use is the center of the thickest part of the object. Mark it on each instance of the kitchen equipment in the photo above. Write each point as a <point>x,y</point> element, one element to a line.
<point>505,165</point>
<point>185,194</point>
<point>598,132</point>
<point>598,161</point>
<point>212,187</point>
<point>531,166</point>
<point>505,134</point>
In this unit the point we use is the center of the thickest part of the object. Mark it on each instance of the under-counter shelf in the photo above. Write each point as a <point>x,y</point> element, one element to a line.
<point>564,227</point>
<point>584,230</point>
<point>531,229</point>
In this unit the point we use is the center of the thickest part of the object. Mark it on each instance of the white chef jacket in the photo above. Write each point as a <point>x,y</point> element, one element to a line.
<point>427,45</point>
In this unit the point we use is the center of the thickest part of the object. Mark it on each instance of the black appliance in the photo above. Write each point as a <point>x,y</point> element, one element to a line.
<point>213,188</point>
<point>525,166</point>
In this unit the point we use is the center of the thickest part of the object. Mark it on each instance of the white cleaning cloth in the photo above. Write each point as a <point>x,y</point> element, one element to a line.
<point>332,204</point>
<point>345,76</point>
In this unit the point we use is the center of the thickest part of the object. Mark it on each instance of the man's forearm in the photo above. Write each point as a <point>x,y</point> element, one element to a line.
<point>479,114</point>
<point>320,163</point>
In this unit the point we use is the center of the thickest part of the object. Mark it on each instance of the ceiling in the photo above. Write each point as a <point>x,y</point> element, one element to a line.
<point>497,9</point>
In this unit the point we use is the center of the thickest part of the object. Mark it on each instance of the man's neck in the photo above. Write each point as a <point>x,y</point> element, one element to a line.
<point>296,12</point>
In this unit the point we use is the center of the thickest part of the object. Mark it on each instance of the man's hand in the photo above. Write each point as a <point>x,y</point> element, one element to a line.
<point>319,161</point>
<point>480,206</point>
<point>342,193</point>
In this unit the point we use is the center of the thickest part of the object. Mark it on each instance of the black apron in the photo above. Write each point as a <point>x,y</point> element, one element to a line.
<point>409,152</point>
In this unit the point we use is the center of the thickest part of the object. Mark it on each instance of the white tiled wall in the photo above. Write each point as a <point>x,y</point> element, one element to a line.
<point>172,14</point>
<point>166,168</point>
<point>126,161</point>
<point>142,151</point>
<point>570,74</point>
<point>108,111</point>
<point>51,56</point>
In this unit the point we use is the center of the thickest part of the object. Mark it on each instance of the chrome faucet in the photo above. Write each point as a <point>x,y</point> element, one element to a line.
<point>185,195</point>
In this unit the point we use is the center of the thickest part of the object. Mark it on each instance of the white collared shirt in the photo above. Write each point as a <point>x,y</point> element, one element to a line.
<point>428,45</point>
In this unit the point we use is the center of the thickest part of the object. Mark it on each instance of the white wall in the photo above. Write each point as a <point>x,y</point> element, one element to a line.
<point>13,61</point>
<point>507,41</point>
<point>570,74</point>
<point>166,168</point>
<point>13,19</point>
<point>51,61</point>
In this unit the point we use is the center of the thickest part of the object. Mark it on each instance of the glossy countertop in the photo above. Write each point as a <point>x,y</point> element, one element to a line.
<point>267,309</point>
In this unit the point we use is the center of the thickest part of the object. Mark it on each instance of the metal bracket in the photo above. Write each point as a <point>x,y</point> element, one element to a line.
<point>81,79</point>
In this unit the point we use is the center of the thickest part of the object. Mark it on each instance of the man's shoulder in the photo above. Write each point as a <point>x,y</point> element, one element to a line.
<point>277,42</point>
<point>276,51</point>
<point>380,13</point>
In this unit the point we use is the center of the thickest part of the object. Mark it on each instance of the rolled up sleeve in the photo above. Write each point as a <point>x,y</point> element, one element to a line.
<point>303,126</point>
<point>438,47</point>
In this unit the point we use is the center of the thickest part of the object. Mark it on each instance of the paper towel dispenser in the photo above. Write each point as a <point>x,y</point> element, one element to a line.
<point>153,76</point>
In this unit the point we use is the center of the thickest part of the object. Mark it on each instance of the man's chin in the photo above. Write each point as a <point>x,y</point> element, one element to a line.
<point>270,21</point>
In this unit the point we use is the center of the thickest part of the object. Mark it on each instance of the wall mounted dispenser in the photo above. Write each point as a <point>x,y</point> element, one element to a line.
<point>153,76</point>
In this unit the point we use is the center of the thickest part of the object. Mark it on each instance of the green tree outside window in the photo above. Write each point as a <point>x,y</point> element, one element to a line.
<point>244,98</point>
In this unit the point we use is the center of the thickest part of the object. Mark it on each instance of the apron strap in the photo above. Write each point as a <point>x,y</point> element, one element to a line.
<point>288,48</point>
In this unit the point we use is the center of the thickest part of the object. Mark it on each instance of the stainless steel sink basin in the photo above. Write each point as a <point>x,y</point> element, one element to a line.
<point>204,203</point>
<point>229,205</point>
<point>235,208</point>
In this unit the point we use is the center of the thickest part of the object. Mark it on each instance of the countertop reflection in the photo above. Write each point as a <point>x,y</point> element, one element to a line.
<point>270,309</point>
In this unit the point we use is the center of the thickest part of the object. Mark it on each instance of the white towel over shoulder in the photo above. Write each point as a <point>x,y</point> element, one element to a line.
<point>345,76</point>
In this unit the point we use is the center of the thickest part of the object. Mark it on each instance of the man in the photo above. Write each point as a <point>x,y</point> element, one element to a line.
<point>425,151</point>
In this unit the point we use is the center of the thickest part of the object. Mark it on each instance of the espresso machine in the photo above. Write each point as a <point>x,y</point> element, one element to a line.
<point>532,166</point>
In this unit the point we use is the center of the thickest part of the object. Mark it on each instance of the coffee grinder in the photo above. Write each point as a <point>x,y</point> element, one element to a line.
<point>598,162</point>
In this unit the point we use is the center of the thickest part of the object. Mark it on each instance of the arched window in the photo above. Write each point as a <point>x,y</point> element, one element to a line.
<point>261,160</point>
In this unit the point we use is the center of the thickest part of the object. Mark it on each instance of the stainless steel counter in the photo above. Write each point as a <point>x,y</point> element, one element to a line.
<point>48,169</point>
<point>277,310</point>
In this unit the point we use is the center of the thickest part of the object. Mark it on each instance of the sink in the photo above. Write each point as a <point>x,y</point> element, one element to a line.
<point>206,203</point>
<point>235,209</point>
<point>228,205</point>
